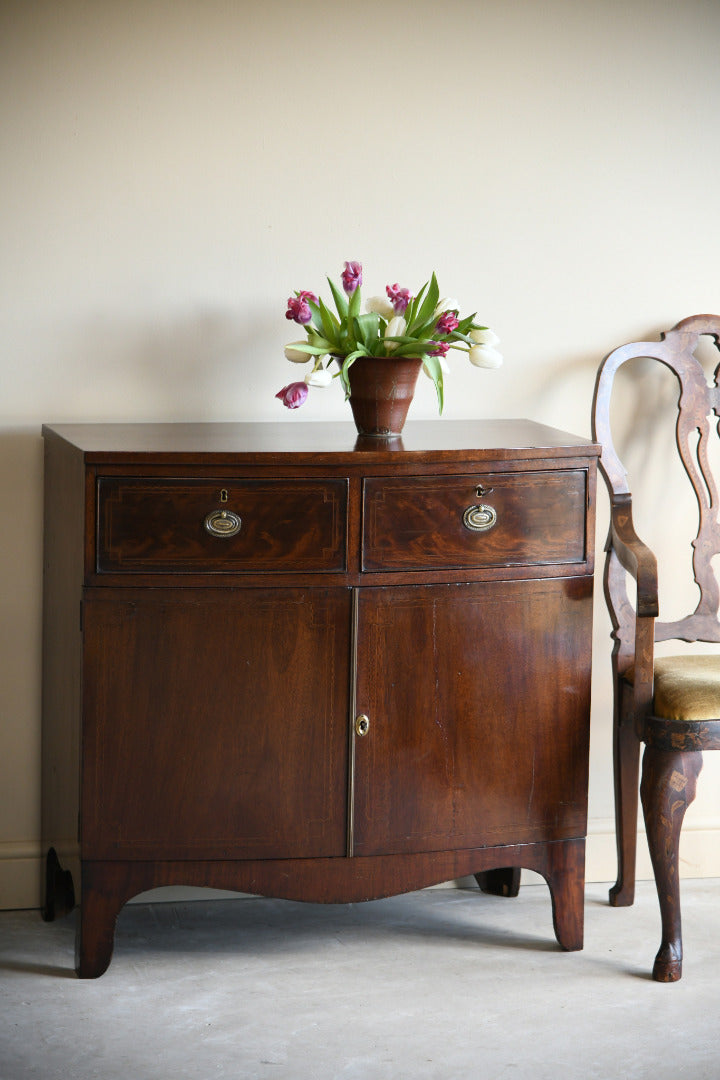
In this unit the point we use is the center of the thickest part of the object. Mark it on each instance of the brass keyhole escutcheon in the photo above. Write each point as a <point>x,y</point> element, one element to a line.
<point>362,724</point>
<point>480,517</point>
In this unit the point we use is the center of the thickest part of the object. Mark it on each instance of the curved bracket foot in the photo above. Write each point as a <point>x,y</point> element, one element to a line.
<point>565,875</point>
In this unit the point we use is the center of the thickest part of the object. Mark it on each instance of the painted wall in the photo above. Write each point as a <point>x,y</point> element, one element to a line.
<point>172,170</point>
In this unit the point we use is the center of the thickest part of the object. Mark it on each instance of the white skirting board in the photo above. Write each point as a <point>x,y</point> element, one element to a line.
<point>20,875</point>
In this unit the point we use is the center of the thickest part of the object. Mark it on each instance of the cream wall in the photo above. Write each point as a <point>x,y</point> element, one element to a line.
<point>171,170</point>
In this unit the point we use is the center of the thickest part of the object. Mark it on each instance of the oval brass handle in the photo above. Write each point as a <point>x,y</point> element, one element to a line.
<point>362,724</point>
<point>223,523</point>
<point>479,518</point>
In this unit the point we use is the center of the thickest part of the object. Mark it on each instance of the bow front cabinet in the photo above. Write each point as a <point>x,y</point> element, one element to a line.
<point>285,660</point>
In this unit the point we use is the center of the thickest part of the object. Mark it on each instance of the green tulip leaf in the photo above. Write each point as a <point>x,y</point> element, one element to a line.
<point>412,309</point>
<point>346,365</point>
<point>427,308</point>
<point>340,300</point>
<point>434,369</point>
<point>367,329</point>
<point>354,304</point>
<point>330,324</point>
<point>311,350</point>
<point>466,324</point>
<point>455,335</point>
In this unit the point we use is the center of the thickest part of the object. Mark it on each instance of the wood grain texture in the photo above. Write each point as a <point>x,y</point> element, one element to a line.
<point>319,443</point>
<point>472,750</point>
<point>417,522</point>
<point>218,711</point>
<point>214,722</point>
<point>108,885</point>
<point>158,525</point>
<point>669,783</point>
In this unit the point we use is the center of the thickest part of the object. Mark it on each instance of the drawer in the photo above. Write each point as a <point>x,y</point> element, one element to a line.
<point>475,521</point>
<point>180,525</point>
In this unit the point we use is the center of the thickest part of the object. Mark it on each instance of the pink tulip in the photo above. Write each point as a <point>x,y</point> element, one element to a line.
<point>293,395</point>
<point>351,277</point>
<point>447,323</point>
<point>440,349</point>
<point>399,298</point>
<point>298,308</point>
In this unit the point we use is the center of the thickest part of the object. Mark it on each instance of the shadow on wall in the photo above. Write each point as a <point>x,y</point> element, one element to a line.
<point>645,397</point>
<point>20,631</point>
<point>644,416</point>
<point>193,368</point>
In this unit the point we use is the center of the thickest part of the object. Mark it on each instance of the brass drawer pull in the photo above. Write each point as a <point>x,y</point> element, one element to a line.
<point>479,518</point>
<point>223,523</point>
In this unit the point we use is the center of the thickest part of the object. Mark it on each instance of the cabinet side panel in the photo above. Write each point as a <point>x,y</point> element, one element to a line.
<point>64,520</point>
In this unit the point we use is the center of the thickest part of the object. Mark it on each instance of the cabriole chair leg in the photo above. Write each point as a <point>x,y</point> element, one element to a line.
<point>669,780</point>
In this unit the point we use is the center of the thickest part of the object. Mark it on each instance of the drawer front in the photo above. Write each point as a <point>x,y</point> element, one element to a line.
<point>179,525</point>
<point>475,521</point>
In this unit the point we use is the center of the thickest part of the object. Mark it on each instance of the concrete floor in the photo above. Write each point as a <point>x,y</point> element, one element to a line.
<point>444,984</point>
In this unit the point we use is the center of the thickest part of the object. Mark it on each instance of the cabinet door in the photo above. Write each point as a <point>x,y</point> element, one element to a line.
<point>478,699</point>
<point>215,723</point>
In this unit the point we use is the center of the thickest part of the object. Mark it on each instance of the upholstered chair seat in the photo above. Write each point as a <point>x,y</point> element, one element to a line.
<point>685,687</point>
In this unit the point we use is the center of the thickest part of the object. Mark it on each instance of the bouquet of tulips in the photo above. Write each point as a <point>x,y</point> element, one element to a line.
<point>398,324</point>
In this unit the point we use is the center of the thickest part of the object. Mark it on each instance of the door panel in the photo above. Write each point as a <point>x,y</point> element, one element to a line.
<point>216,723</point>
<point>478,699</point>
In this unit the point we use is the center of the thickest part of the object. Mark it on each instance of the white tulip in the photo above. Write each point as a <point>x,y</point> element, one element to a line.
<point>448,304</point>
<point>395,328</point>
<point>319,377</point>
<point>485,356</point>
<point>296,355</point>
<point>484,337</point>
<point>379,305</point>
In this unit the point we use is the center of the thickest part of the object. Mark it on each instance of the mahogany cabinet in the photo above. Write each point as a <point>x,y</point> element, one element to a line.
<point>282,659</point>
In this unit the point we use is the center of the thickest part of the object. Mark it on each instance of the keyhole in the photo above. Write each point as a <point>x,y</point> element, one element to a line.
<point>223,495</point>
<point>362,724</point>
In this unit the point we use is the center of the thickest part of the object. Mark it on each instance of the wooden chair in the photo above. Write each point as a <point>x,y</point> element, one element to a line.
<point>672,704</point>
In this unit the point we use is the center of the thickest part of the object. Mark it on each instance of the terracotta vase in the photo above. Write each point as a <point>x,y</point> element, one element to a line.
<point>381,390</point>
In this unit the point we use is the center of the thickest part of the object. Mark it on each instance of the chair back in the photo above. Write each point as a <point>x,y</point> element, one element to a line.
<point>697,424</point>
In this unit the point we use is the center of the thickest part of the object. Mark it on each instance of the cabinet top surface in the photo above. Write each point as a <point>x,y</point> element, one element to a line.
<point>273,442</point>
